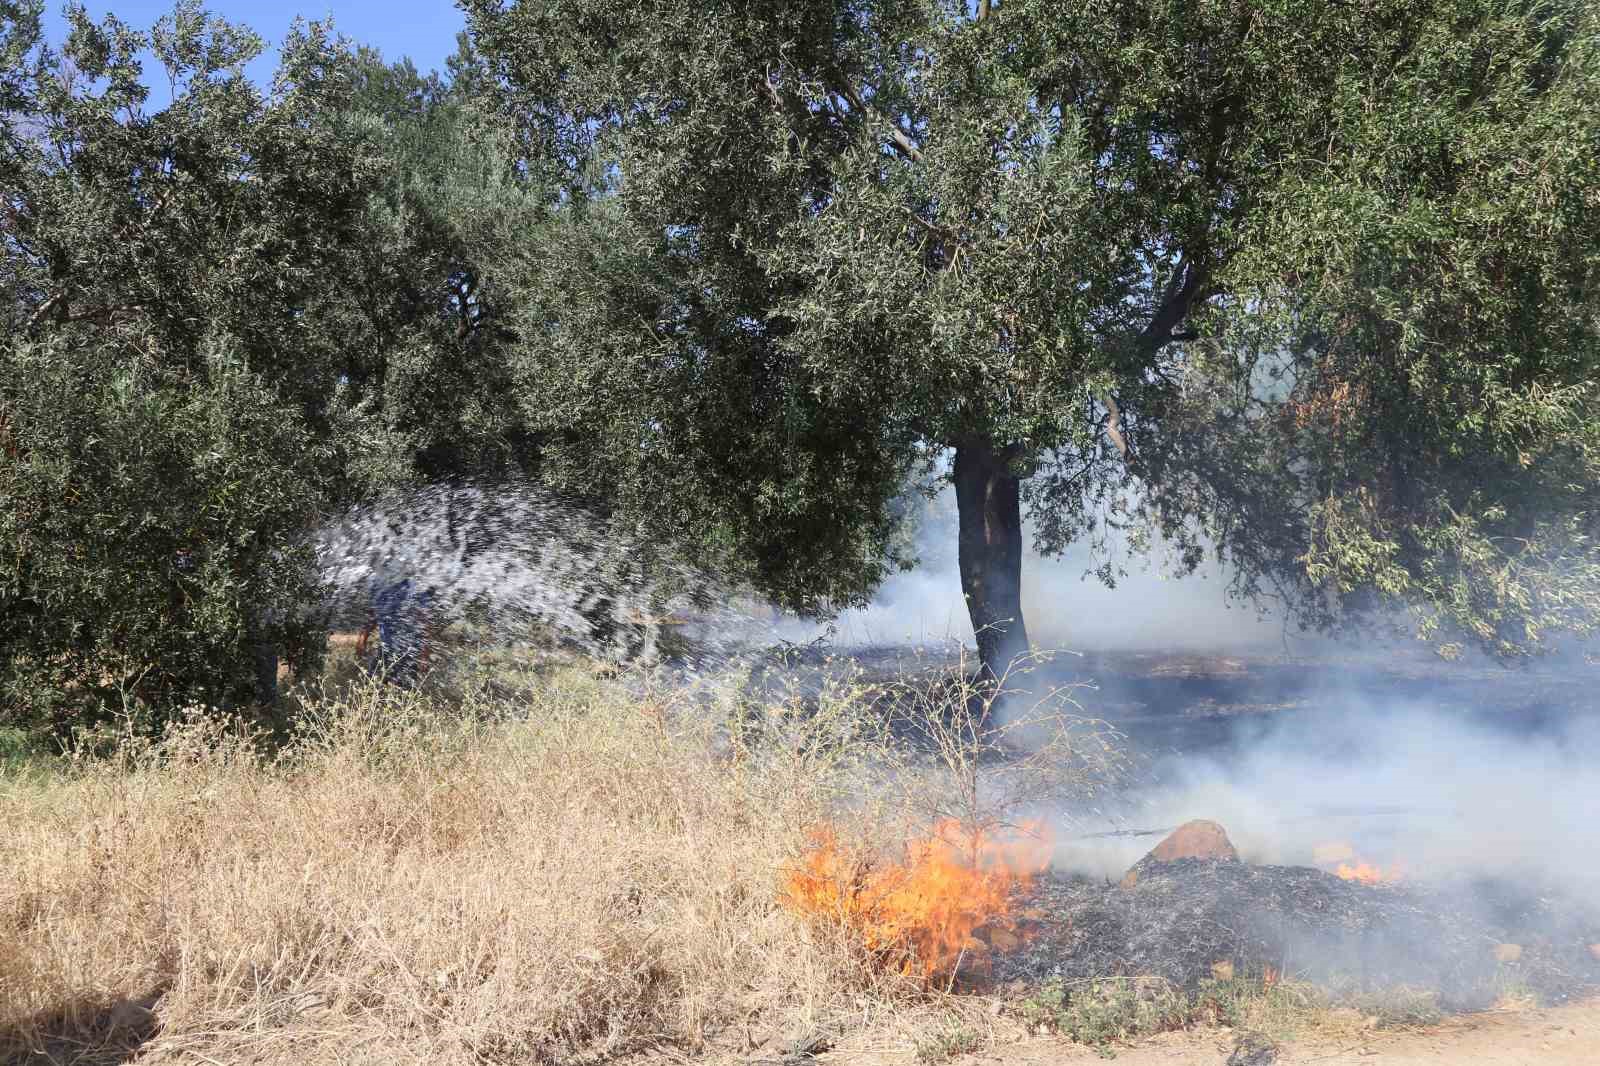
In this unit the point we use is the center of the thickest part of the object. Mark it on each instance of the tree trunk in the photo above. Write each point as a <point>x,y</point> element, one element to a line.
<point>989,510</point>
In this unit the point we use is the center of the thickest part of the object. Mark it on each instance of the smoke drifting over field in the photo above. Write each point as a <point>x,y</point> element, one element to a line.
<point>1065,607</point>
<point>1439,770</point>
<point>1426,792</point>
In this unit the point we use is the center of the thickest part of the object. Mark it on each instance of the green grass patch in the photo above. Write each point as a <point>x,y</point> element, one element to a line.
<point>22,752</point>
<point>1107,1011</point>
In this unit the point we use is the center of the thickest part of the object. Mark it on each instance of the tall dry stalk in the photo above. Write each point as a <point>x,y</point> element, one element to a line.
<point>994,758</point>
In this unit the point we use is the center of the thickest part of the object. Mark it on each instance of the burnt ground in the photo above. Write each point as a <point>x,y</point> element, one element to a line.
<point>1448,935</point>
<point>1471,943</point>
<point>1189,702</point>
<point>1469,936</point>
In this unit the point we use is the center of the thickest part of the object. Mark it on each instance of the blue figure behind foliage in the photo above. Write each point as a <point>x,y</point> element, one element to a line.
<point>400,612</point>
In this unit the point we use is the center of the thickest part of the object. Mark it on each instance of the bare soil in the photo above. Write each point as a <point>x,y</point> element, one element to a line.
<point>1558,1036</point>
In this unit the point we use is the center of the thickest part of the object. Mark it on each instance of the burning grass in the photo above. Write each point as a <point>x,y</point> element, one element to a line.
<point>1368,873</point>
<point>918,915</point>
<point>1339,858</point>
<point>548,868</point>
<point>403,884</point>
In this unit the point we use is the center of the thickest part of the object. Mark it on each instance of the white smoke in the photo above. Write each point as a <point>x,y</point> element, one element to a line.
<point>1064,606</point>
<point>1434,793</point>
<point>1438,787</point>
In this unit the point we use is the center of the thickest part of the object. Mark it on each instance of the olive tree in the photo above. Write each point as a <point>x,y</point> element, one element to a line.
<point>221,320</point>
<point>1311,282</point>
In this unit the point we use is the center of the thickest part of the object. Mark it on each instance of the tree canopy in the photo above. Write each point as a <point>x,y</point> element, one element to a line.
<point>1309,283</point>
<point>222,318</point>
<point>1313,283</point>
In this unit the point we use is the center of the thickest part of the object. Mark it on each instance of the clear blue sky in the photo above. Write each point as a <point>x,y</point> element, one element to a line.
<point>424,31</point>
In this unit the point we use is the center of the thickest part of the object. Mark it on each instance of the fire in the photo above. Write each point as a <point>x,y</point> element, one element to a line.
<point>920,913</point>
<point>1368,874</point>
<point>1351,868</point>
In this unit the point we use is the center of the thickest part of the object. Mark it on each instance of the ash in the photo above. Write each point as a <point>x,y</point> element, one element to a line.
<point>518,564</point>
<point>1183,917</point>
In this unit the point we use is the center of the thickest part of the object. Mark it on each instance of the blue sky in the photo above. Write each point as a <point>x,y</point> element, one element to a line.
<point>424,31</point>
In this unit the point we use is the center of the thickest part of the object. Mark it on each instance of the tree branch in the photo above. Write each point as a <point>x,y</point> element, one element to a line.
<point>1113,427</point>
<point>1176,302</point>
<point>104,313</point>
<point>44,309</point>
<point>932,227</point>
<point>902,142</point>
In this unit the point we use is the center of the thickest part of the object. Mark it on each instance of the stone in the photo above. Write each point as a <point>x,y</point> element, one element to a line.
<point>1199,839</point>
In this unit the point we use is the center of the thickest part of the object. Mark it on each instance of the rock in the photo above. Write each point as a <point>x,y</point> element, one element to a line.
<point>1199,839</point>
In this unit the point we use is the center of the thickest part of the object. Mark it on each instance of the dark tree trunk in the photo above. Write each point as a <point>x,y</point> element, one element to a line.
<point>989,509</point>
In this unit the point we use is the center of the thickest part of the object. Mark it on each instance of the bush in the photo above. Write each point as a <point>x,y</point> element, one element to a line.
<point>175,365</point>
<point>150,534</point>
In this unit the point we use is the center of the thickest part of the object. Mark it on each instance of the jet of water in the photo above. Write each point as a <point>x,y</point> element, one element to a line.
<point>516,562</point>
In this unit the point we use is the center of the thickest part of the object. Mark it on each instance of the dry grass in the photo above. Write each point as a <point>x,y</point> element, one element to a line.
<point>405,885</point>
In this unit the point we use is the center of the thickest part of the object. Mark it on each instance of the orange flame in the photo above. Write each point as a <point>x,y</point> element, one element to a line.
<point>1368,874</point>
<point>1353,869</point>
<point>919,914</point>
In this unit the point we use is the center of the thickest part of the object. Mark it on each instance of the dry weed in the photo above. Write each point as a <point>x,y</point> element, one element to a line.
<point>405,885</point>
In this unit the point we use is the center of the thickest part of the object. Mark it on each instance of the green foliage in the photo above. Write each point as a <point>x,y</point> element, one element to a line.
<point>174,401</point>
<point>709,439</point>
<point>948,1042</point>
<point>1101,1013</point>
<point>143,523</point>
<point>1113,1010</point>
<point>223,319</point>
<point>19,751</point>
<point>1309,283</point>
<point>429,306</point>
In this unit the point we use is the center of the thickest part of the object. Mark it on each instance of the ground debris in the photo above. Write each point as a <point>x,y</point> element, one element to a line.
<point>1253,1049</point>
<point>1183,918</point>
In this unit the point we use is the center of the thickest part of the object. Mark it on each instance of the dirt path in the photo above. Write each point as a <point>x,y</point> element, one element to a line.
<point>1561,1036</point>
